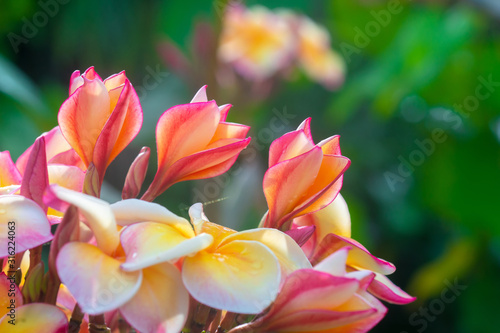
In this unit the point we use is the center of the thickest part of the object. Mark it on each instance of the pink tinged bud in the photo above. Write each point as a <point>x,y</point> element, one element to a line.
<point>195,142</point>
<point>136,174</point>
<point>298,166</point>
<point>100,118</point>
<point>36,178</point>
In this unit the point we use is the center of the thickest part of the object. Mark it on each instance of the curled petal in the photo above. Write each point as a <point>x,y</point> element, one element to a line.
<point>385,289</point>
<point>242,277</point>
<point>288,146</point>
<point>162,302</point>
<point>31,317</point>
<point>98,214</point>
<point>335,263</point>
<point>95,279</point>
<point>132,211</point>
<point>149,243</point>
<point>359,257</point>
<point>26,221</point>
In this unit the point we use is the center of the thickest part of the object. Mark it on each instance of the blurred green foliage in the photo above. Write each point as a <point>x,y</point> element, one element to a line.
<point>437,220</point>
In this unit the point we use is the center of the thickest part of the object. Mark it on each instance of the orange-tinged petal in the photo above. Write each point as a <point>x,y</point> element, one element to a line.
<point>242,277</point>
<point>95,279</point>
<point>150,243</point>
<point>98,215</point>
<point>185,129</point>
<point>162,302</point>
<point>132,211</point>
<point>286,182</point>
<point>230,130</point>
<point>326,185</point>
<point>288,146</point>
<point>26,221</point>
<point>331,145</point>
<point>31,317</point>
<point>83,115</point>
<point>289,254</point>
<point>123,124</point>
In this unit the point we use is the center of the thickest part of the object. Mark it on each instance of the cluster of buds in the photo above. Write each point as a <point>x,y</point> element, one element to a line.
<point>134,266</point>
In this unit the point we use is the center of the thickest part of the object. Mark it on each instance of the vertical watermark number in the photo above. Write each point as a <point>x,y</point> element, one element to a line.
<point>11,276</point>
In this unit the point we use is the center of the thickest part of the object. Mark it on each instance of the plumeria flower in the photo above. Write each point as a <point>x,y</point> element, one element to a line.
<point>323,299</point>
<point>224,269</point>
<point>314,54</point>
<point>257,42</point>
<point>151,299</point>
<point>100,118</point>
<point>194,141</point>
<point>302,177</point>
<point>333,233</point>
<point>18,318</point>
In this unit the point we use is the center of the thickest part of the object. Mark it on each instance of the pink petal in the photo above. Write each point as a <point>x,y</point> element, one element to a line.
<point>285,181</point>
<point>35,179</point>
<point>31,317</point>
<point>30,228</point>
<point>386,290</point>
<point>301,234</point>
<point>83,115</point>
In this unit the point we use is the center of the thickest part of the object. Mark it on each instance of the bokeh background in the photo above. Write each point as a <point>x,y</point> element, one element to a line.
<point>428,203</point>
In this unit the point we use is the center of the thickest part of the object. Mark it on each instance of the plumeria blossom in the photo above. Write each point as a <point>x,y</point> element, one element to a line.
<point>152,299</point>
<point>257,42</point>
<point>241,271</point>
<point>333,233</point>
<point>100,118</point>
<point>135,265</point>
<point>302,177</point>
<point>315,55</point>
<point>195,141</point>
